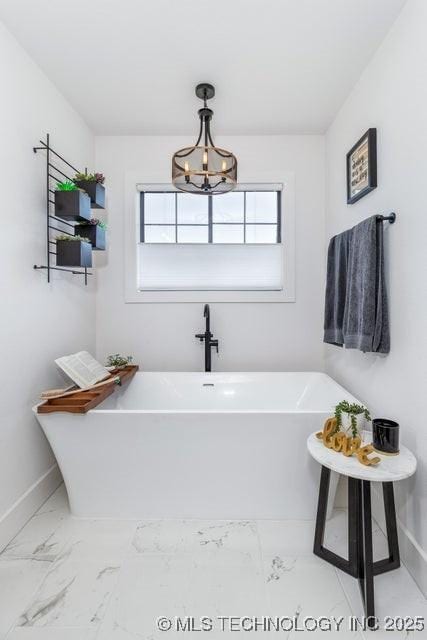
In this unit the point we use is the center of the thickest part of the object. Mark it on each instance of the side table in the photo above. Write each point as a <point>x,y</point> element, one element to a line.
<point>360,563</point>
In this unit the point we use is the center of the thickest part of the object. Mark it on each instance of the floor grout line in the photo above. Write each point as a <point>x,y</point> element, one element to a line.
<point>350,606</point>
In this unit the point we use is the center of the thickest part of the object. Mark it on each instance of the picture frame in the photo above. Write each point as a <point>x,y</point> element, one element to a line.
<point>362,167</point>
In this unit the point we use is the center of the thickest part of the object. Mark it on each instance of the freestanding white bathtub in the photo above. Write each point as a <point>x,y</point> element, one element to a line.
<point>196,445</point>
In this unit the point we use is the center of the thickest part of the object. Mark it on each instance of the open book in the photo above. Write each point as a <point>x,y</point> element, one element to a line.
<point>83,369</point>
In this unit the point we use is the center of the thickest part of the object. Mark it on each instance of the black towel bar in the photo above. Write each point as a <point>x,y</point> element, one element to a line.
<point>391,218</point>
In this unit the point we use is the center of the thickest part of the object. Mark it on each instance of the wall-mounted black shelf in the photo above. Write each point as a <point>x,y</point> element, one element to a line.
<point>57,169</point>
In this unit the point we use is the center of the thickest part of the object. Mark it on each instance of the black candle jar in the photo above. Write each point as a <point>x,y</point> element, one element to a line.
<point>385,436</point>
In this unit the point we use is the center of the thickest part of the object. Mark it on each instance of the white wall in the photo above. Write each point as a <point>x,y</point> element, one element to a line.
<point>253,336</point>
<point>392,96</point>
<point>38,322</point>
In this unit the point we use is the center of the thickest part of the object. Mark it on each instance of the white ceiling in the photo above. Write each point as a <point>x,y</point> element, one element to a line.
<point>130,66</point>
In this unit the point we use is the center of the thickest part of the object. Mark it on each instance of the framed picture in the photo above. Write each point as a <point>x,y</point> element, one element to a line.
<point>362,167</point>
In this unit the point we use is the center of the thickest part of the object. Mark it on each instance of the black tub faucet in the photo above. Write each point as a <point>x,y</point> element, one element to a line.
<point>207,337</point>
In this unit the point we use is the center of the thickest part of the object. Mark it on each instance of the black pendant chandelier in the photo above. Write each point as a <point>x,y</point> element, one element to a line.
<point>204,168</point>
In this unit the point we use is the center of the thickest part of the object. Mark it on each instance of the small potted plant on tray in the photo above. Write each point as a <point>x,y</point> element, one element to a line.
<point>117,361</point>
<point>71,203</point>
<point>351,418</point>
<point>94,230</point>
<point>73,251</point>
<point>93,184</point>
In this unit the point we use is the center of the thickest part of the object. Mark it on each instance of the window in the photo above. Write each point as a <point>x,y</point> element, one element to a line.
<point>238,217</point>
<point>231,242</point>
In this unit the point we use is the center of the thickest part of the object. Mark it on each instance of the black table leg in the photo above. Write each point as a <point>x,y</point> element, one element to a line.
<point>355,546</point>
<point>366,574</point>
<point>322,506</point>
<point>360,563</point>
<point>393,560</point>
<point>349,565</point>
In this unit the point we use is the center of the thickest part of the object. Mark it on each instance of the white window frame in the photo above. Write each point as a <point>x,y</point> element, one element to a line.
<point>134,184</point>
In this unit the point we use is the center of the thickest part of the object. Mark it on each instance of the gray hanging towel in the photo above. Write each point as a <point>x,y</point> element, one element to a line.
<point>336,288</point>
<point>366,320</point>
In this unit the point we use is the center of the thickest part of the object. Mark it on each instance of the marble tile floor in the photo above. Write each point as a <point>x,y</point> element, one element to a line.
<point>67,579</point>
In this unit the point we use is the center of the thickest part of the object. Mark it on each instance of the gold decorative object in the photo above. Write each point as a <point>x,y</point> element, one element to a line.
<point>338,441</point>
<point>362,455</point>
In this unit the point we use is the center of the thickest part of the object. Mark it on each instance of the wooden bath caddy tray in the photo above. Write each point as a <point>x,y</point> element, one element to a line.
<point>82,401</point>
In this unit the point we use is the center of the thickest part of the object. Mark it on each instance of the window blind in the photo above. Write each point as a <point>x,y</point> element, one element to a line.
<point>210,267</point>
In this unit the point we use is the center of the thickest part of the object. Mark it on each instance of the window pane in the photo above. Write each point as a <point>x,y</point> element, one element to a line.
<point>261,233</point>
<point>261,206</point>
<point>228,207</point>
<point>227,232</point>
<point>192,209</point>
<point>159,208</point>
<point>192,234</point>
<point>159,234</point>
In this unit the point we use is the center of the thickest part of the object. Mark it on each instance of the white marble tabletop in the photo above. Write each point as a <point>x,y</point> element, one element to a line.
<point>390,469</point>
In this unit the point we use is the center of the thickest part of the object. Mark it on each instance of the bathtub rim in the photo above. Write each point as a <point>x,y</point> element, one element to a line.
<point>98,410</point>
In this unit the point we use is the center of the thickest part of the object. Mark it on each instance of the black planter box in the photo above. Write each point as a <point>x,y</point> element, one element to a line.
<point>73,253</point>
<point>95,191</point>
<point>72,205</point>
<point>94,233</point>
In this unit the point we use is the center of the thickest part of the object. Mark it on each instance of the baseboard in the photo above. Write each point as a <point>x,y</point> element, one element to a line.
<point>412,555</point>
<point>25,507</point>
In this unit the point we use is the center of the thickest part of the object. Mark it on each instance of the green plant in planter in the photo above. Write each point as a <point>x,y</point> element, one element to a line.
<point>89,177</point>
<point>118,361</point>
<point>72,238</point>
<point>353,410</point>
<point>66,186</point>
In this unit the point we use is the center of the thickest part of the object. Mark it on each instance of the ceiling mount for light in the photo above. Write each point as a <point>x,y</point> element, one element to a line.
<point>204,168</point>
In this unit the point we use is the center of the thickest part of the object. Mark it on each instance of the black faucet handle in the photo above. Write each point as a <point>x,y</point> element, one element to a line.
<point>201,336</point>
<point>214,343</point>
